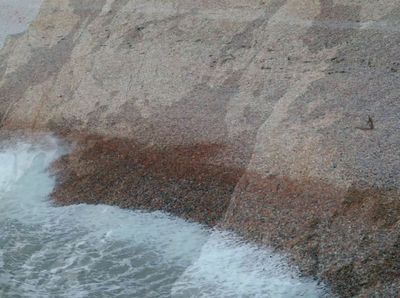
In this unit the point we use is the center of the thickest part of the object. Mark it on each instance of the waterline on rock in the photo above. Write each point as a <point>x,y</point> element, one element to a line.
<point>103,251</point>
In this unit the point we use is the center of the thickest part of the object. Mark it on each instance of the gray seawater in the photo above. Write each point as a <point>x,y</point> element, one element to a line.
<point>16,15</point>
<point>103,251</point>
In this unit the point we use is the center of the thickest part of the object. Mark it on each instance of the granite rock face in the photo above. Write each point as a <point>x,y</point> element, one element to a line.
<point>279,119</point>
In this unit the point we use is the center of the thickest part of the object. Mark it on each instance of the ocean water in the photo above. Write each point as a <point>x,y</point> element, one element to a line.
<point>16,15</point>
<point>103,251</point>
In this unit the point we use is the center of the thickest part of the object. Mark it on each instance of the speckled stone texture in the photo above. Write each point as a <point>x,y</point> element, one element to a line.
<point>189,181</point>
<point>278,119</point>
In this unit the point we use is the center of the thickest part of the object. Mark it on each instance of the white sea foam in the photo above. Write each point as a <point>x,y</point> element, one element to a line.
<point>103,251</point>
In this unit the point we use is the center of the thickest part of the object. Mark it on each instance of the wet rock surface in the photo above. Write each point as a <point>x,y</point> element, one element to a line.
<point>184,180</point>
<point>348,237</point>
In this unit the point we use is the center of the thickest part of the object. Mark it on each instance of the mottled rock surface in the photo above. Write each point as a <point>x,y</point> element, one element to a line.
<point>189,181</point>
<point>280,117</point>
